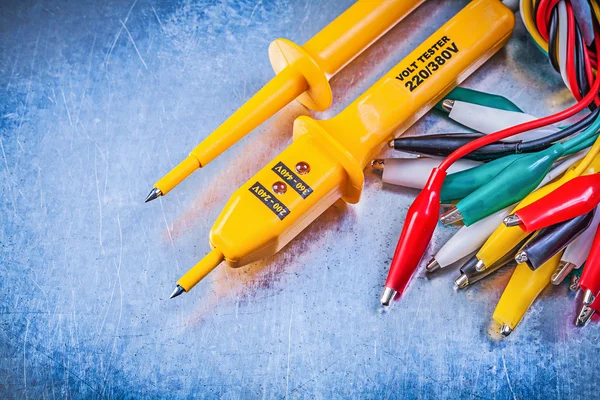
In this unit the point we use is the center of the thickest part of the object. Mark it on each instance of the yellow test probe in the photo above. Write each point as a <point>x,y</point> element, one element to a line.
<point>523,288</point>
<point>504,238</point>
<point>326,159</point>
<point>303,72</point>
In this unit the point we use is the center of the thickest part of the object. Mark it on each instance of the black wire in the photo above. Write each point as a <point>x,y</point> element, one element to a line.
<point>552,239</point>
<point>553,35</point>
<point>542,143</point>
<point>442,145</point>
<point>582,82</point>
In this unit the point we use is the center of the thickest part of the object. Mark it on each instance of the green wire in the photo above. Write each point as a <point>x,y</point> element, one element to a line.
<point>590,141</point>
<point>582,138</point>
<point>479,98</point>
<point>510,185</point>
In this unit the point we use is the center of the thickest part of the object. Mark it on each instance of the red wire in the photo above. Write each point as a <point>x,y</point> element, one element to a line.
<point>527,126</point>
<point>540,19</point>
<point>571,75</point>
<point>588,70</point>
<point>543,17</point>
<point>588,65</point>
<point>548,13</point>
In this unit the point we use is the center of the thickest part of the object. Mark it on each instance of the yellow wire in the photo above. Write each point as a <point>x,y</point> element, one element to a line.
<point>589,157</point>
<point>596,9</point>
<point>527,8</point>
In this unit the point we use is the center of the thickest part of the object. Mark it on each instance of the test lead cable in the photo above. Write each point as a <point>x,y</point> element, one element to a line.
<point>516,180</point>
<point>549,241</point>
<point>489,120</point>
<point>467,240</point>
<point>442,145</point>
<point>469,275</point>
<point>576,197</point>
<point>423,213</point>
<point>521,291</point>
<point>413,172</point>
<point>505,238</point>
<point>473,96</point>
<point>471,238</point>
<point>577,252</point>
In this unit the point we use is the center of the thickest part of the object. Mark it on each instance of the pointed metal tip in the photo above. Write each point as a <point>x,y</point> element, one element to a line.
<point>451,216</point>
<point>178,291</point>
<point>511,220</point>
<point>154,194</point>
<point>521,257</point>
<point>588,298</point>
<point>480,266</point>
<point>505,330</point>
<point>584,316</point>
<point>462,281</point>
<point>387,296</point>
<point>574,285</point>
<point>563,269</point>
<point>391,143</point>
<point>448,105</point>
<point>378,164</point>
<point>433,265</point>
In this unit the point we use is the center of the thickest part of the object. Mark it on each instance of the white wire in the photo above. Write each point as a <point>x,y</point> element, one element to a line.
<point>578,250</point>
<point>489,120</point>
<point>470,238</point>
<point>414,172</point>
<point>562,41</point>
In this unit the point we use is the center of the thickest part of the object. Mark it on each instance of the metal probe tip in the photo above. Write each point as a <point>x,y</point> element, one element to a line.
<point>448,105</point>
<point>480,266</point>
<point>433,265</point>
<point>462,281</point>
<point>563,269</point>
<point>511,220</point>
<point>584,316</point>
<point>574,283</point>
<point>451,216</point>
<point>521,257</point>
<point>387,296</point>
<point>588,298</point>
<point>154,194</point>
<point>378,164</point>
<point>178,290</point>
<point>505,330</point>
<point>391,143</point>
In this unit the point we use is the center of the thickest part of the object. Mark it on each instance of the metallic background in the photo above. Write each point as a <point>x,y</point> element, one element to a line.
<point>98,99</point>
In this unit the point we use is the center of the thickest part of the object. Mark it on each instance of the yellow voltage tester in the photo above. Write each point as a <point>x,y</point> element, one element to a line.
<point>302,73</point>
<point>326,160</point>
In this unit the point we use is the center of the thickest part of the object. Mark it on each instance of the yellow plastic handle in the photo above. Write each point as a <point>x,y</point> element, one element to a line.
<point>302,72</point>
<point>411,88</point>
<point>336,45</point>
<point>362,24</point>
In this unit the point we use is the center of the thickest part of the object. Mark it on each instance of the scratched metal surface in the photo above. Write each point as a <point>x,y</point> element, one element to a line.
<point>99,99</point>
